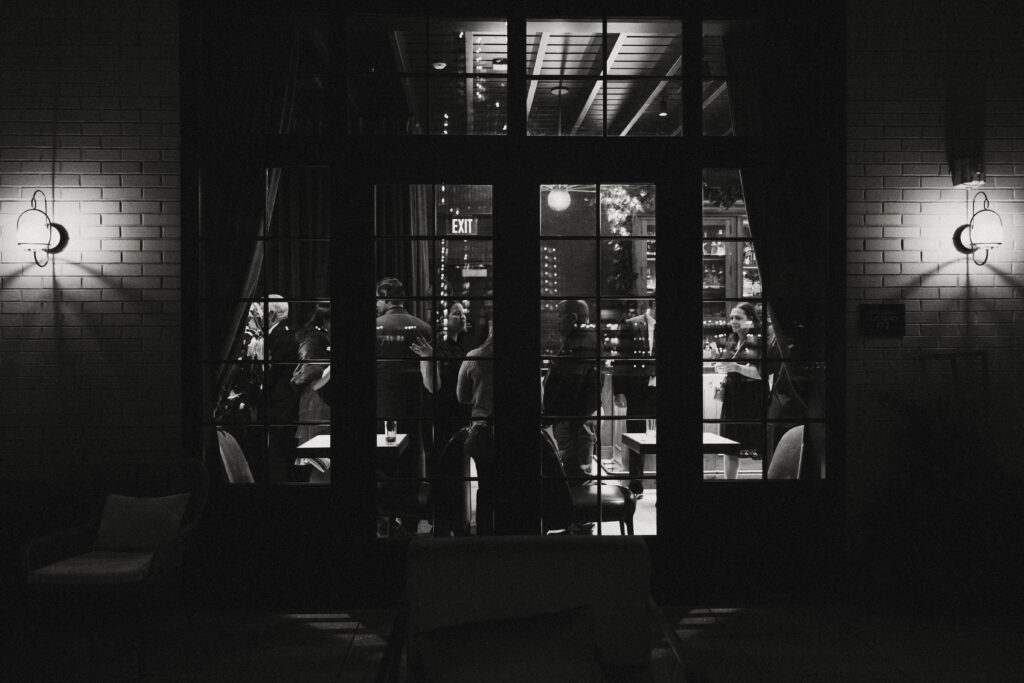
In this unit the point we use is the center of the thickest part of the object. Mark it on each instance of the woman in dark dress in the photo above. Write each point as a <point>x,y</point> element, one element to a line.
<point>742,393</point>
<point>449,414</point>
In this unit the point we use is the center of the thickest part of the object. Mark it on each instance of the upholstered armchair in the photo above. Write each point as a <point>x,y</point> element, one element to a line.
<point>136,538</point>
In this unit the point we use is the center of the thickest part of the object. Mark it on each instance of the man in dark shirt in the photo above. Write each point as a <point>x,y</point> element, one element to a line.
<point>400,384</point>
<point>572,390</point>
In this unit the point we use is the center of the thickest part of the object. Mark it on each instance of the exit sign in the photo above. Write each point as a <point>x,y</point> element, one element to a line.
<point>462,226</point>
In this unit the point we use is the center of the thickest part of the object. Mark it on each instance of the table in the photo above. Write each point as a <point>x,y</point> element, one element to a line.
<point>646,443</point>
<point>322,441</point>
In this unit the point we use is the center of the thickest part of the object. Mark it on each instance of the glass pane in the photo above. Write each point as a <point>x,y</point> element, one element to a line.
<point>554,328</point>
<point>240,400</point>
<point>565,106</point>
<point>623,267</point>
<point>556,47</point>
<point>465,267</point>
<point>404,210</point>
<point>627,210</point>
<point>464,210</point>
<point>468,106</point>
<point>474,46</point>
<point>243,453</point>
<point>296,60</point>
<point>386,44</point>
<point>230,269</point>
<point>409,262</point>
<point>382,104</point>
<point>567,210</point>
<point>299,202</point>
<point>644,47</point>
<point>568,268</point>
<point>717,103</point>
<point>644,107</point>
<point>297,269</point>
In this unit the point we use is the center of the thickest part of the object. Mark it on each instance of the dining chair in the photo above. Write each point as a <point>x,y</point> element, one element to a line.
<point>570,504</point>
<point>787,460</point>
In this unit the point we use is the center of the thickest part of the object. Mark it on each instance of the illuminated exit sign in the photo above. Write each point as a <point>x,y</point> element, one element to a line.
<point>462,226</point>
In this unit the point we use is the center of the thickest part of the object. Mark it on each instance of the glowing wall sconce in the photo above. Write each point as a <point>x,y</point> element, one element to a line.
<point>558,198</point>
<point>983,232</point>
<point>38,233</point>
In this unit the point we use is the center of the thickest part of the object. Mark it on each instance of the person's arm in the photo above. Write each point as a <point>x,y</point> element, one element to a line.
<point>431,377</point>
<point>464,388</point>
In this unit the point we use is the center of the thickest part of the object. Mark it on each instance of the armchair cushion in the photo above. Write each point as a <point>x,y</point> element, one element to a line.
<point>139,524</point>
<point>96,567</point>
<point>558,646</point>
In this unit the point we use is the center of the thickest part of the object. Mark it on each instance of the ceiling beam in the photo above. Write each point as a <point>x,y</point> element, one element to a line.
<point>538,66</point>
<point>672,71</point>
<point>620,41</point>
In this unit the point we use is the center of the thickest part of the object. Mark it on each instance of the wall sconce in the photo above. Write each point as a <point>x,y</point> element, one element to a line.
<point>558,198</point>
<point>983,232</point>
<point>38,233</point>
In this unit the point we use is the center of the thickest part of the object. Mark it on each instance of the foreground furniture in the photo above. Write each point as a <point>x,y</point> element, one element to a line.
<point>787,460</point>
<point>529,608</point>
<point>148,509</point>
<point>127,559</point>
<point>571,504</point>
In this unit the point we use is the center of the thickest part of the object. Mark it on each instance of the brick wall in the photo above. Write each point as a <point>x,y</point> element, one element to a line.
<point>914,69</point>
<point>90,345</point>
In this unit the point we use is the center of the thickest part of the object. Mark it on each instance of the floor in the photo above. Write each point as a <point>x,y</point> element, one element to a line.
<point>761,643</point>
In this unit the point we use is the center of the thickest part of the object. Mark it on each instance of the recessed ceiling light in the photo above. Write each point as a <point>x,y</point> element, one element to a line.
<point>439,65</point>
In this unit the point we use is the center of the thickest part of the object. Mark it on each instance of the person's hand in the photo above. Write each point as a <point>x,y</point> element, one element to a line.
<point>421,347</point>
<point>725,368</point>
<point>620,400</point>
<point>255,350</point>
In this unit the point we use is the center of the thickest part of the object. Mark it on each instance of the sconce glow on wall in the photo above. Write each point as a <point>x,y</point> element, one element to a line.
<point>38,233</point>
<point>984,231</point>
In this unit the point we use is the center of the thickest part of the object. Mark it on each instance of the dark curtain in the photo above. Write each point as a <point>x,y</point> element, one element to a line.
<point>774,88</point>
<point>235,207</point>
<point>773,91</point>
<point>404,211</point>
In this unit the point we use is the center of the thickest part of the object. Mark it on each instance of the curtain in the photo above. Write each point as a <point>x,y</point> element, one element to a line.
<point>235,215</point>
<point>787,200</point>
<point>773,95</point>
<point>404,212</point>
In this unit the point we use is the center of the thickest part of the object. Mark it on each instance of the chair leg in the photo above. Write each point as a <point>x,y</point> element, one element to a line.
<point>629,525</point>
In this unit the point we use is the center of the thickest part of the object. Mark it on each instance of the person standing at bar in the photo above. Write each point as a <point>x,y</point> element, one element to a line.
<point>400,383</point>
<point>742,395</point>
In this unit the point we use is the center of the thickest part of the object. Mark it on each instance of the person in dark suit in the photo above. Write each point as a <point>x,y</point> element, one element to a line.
<point>634,382</point>
<point>280,351</point>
